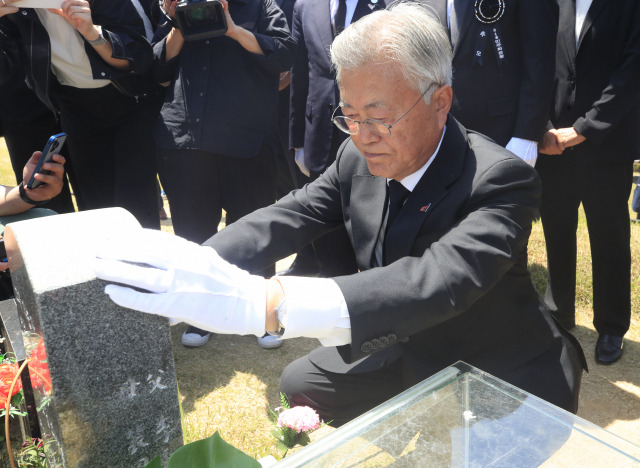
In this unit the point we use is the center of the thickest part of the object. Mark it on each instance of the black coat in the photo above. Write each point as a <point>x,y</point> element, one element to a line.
<point>509,97</point>
<point>597,85</point>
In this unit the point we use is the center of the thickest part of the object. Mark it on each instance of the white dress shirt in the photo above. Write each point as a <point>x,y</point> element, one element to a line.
<point>69,60</point>
<point>351,8</point>
<point>316,307</point>
<point>582,7</point>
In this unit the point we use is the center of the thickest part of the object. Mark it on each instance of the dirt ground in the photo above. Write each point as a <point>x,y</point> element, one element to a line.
<point>610,395</point>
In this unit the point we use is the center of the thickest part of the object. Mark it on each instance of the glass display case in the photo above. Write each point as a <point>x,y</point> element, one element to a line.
<point>464,417</point>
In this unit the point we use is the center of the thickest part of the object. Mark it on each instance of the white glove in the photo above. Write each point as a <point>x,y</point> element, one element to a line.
<point>187,282</point>
<point>526,150</point>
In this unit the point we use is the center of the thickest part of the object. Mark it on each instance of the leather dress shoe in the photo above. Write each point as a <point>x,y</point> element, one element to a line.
<point>608,349</point>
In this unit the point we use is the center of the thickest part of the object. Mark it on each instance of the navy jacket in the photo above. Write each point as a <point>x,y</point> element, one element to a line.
<point>314,94</point>
<point>24,39</point>
<point>222,98</point>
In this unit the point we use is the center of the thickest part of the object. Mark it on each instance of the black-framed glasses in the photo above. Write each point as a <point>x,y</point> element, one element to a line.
<point>376,127</point>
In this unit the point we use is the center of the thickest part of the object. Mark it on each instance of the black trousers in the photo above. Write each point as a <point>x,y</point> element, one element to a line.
<point>23,138</point>
<point>339,397</point>
<point>554,375</point>
<point>112,149</point>
<point>603,190</point>
<point>199,185</point>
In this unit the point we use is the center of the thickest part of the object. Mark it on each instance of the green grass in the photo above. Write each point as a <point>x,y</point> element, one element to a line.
<point>229,384</point>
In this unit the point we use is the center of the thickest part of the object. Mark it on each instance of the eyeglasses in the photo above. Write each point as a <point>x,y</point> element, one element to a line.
<point>376,127</point>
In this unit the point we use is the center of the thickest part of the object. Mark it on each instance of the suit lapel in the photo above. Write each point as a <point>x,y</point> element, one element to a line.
<point>322,16</point>
<point>460,21</point>
<point>370,193</point>
<point>567,30</point>
<point>594,11</point>
<point>432,188</point>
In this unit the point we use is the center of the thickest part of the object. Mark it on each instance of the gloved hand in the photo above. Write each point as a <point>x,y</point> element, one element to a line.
<point>186,282</point>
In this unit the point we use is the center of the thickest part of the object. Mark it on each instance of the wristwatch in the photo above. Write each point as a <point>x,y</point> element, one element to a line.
<point>99,41</point>
<point>281,317</point>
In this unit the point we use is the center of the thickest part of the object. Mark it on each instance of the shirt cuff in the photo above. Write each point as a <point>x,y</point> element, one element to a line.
<point>316,309</point>
<point>526,150</point>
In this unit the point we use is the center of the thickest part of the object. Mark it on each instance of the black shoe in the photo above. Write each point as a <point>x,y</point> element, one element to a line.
<point>608,349</point>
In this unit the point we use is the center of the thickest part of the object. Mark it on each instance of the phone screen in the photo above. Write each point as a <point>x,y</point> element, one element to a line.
<point>53,146</point>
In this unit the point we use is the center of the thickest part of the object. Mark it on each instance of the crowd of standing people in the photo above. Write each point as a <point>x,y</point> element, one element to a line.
<point>234,121</point>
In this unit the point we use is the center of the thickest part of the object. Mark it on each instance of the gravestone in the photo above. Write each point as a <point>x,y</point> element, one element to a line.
<point>103,376</point>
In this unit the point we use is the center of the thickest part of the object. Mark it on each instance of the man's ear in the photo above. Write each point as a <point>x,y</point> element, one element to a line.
<point>441,99</point>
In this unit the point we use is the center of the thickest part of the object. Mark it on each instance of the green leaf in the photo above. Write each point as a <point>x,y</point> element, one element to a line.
<point>155,463</point>
<point>284,401</point>
<point>304,439</point>
<point>211,452</point>
<point>277,433</point>
<point>17,398</point>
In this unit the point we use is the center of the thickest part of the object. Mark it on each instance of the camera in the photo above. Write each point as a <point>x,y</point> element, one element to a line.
<point>200,19</point>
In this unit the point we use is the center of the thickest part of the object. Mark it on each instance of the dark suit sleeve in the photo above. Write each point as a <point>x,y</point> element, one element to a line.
<point>299,83</point>
<point>273,36</point>
<point>122,25</point>
<point>537,27</point>
<point>621,94</point>
<point>416,293</point>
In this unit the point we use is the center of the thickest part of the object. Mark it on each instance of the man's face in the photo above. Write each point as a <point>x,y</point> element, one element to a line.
<point>380,92</point>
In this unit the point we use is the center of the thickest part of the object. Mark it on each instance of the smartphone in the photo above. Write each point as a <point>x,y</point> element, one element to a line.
<point>3,252</point>
<point>53,146</point>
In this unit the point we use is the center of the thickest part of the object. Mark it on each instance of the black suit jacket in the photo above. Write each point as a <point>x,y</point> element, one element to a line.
<point>457,286</point>
<point>314,94</point>
<point>597,85</point>
<point>512,98</point>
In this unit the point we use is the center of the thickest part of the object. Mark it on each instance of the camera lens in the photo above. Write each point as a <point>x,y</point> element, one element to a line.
<point>204,14</point>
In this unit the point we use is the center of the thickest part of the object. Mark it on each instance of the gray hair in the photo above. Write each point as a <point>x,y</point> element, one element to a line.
<point>406,34</point>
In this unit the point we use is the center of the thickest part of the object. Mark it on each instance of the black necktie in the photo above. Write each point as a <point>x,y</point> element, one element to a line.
<point>397,195</point>
<point>340,18</point>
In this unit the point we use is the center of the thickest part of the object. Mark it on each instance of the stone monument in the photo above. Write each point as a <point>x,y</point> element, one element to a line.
<point>103,376</point>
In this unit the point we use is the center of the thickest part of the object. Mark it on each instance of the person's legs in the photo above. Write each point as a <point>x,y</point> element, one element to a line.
<point>90,143</point>
<point>190,179</point>
<point>135,184</point>
<point>339,398</point>
<point>248,184</point>
<point>559,205</point>
<point>606,189</point>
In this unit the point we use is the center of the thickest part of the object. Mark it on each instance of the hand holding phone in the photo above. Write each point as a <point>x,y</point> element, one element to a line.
<point>53,146</point>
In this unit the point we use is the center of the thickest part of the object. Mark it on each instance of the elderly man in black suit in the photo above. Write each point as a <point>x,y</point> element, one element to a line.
<point>502,67</point>
<point>588,158</point>
<point>439,218</point>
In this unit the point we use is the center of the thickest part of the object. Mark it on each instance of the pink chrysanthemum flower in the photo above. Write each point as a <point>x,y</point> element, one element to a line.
<point>299,418</point>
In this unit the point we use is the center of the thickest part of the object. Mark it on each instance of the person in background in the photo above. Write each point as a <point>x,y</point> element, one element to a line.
<point>503,62</point>
<point>88,62</point>
<point>587,158</point>
<point>314,98</point>
<point>216,132</point>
